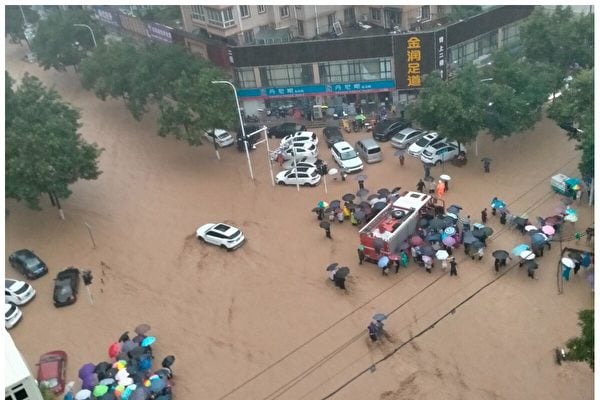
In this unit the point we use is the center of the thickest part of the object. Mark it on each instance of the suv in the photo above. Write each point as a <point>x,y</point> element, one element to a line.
<point>439,152</point>
<point>417,147</point>
<point>387,128</point>
<point>346,157</point>
<point>220,136</point>
<point>248,129</point>
<point>287,128</point>
<point>406,137</point>
<point>332,134</point>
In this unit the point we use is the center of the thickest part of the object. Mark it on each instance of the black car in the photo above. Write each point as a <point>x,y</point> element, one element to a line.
<point>332,134</point>
<point>387,128</point>
<point>248,129</point>
<point>287,128</point>
<point>66,286</point>
<point>27,263</point>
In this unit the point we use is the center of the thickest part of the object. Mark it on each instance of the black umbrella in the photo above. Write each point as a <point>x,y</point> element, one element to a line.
<point>383,192</point>
<point>350,206</point>
<point>479,234</point>
<point>469,238</point>
<point>437,224</point>
<point>520,221</point>
<point>453,210</point>
<point>335,204</point>
<point>324,224</point>
<point>530,264</point>
<point>348,197</point>
<point>433,238</point>
<point>575,256</point>
<point>124,337</point>
<point>396,189</point>
<point>367,209</point>
<point>142,329</point>
<point>427,251</point>
<point>373,196</point>
<point>168,361</point>
<point>359,214</point>
<point>342,272</point>
<point>484,159</point>
<point>377,207</point>
<point>361,177</point>
<point>362,192</point>
<point>331,267</point>
<point>102,367</point>
<point>316,209</point>
<point>534,232</point>
<point>456,206</point>
<point>500,254</point>
<point>476,245</point>
<point>364,204</point>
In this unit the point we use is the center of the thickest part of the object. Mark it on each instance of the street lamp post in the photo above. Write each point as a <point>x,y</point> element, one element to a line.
<point>237,102</point>
<point>91,31</point>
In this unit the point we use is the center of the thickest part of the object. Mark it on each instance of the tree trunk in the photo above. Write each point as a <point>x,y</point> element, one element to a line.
<point>51,199</point>
<point>60,210</point>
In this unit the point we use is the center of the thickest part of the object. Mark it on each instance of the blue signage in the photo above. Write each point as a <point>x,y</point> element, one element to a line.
<point>291,91</point>
<point>107,16</point>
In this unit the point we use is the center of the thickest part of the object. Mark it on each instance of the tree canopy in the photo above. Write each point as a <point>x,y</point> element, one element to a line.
<point>44,153</point>
<point>581,348</point>
<point>14,23</point>
<point>59,44</point>
<point>179,83</point>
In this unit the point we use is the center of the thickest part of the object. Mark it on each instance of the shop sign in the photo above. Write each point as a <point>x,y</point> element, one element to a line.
<point>107,16</point>
<point>159,32</point>
<point>413,61</point>
<point>351,87</point>
<point>440,53</point>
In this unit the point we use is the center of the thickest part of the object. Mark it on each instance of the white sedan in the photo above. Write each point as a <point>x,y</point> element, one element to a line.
<point>297,150</point>
<point>221,136</point>
<point>306,176</point>
<point>18,292</point>
<point>12,315</point>
<point>300,162</point>
<point>300,137</point>
<point>222,235</point>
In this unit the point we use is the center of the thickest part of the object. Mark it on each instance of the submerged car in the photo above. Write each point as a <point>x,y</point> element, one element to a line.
<point>332,134</point>
<point>66,286</point>
<point>18,292</point>
<point>306,176</point>
<point>52,369</point>
<point>222,235</point>
<point>220,136</point>
<point>27,263</point>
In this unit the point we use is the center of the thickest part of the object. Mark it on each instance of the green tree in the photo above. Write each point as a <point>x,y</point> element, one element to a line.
<point>166,15</point>
<point>44,153</point>
<point>59,44</point>
<point>14,23</point>
<point>582,348</point>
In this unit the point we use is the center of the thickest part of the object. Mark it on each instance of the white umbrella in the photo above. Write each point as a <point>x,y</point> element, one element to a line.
<point>530,228</point>
<point>441,254</point>
<point>527,255</point>
<point>567,262</point>
<point>332,171</point>
<point>83,394</point>
<point>452,215</point>
<point>571,218</point>
<point>445,177</point>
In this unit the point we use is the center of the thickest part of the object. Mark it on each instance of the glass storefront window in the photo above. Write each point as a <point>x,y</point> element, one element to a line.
<point>472,49</point>
<point>287,75</point>
<point>245,77</point>
<point>355,70</point>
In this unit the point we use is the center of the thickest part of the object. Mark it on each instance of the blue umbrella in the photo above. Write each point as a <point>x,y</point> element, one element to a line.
<point>383,262</point>
<point>498,203</point>
<point>145,363</point>
<point>156,385</point>
<point>572,181</point>
<point>570,211</point>
<point>538,239</point>
<point>379,317</point>
<point>148,341</point>
<point>450,230</point>
<point>519,249</point>
<point>433,238</point>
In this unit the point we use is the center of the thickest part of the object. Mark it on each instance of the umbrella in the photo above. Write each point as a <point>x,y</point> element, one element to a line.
<point>335,204</point>
<point>383,192</point>
<point>143,328</point>
<point>500,254</point>
<point>452,215</point>
<point>86,370</point>
<point>476,245</point>
<point>538,239</point>
<point>571,218</point>
<point>548,230</point>
<point>572,181</point>
<point>138,394</point>
<point>423,223</point>
<point>359,214</point>
<point>469,238</point>
<point>530,264</point>
<point>377,207</point>
<point>379,317</point>
<point>553,220</point>
<point>450,230</point>
<point>331,267</point>
<point>415,240</point>
<point>348,197</point>
<point>567,262</point>
<point>487,230</point>
<point>342,272</point>
<point>360,117</point>
<point>102,367</point>
<point>107,396</point>
<point>437,224</point>
<point>520,221</point>
<point>441,254</point>
<point>527,255</point>
<point>156,385</point>
<point>449,241</point>
<point>530,228</point>
<point>114,349</point>
<point>479,233</point>
<point>99,390</point>
<point>148,341</point>
<point>519,249</point>
<point>332,171</point>
<point>83,394</point>
<point>393,257</point>
<point>362,192</point>
<point>107,381</point>
<point>170,359</point>
<point>427,251</point>
<point>383,262</point>
<point>373,196</point>
<point>122,374</point>
<point>360,177</point>
<point>128,346</point>
<point>433,238</point>
<point>445,177</point>
<point>124,336</point>
<point>324,224</point>
<point>497,203</point>
<point>453,209</point>
<point>427,259</point>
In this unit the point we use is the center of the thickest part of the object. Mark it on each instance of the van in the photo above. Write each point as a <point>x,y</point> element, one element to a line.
<point>369,150</point>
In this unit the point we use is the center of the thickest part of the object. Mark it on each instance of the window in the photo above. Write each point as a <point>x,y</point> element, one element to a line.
<point>198,13</point>
<point>375,14</point>
<point>245,77</point>
<point>425,13</point>
<point>330,21</point>
<point>244,11</point>
<point>284,12</point>
<point>287,75</point>
<point>472,49</point>
<point>264,28</point>
<point>249,37</point>
<point>300,28</point>
<point>220,18</point>
<point>262,9</point>
<point>356,70</point>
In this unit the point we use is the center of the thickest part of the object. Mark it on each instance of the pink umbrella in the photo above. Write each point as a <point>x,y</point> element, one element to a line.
<point>548,230</point>
<point>449,241</point>
<point>416,241</point>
